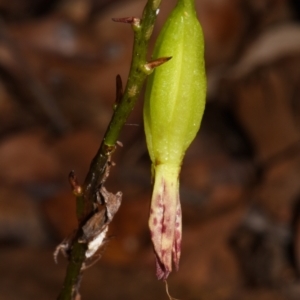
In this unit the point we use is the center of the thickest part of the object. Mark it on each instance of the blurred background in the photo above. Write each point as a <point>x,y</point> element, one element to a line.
<point>240,182</point>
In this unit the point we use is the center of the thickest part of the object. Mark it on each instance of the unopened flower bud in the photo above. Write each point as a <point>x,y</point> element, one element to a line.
<point>173,109</point>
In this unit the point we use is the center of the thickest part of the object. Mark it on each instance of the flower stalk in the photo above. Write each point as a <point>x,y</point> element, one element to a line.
<point>98,172</point>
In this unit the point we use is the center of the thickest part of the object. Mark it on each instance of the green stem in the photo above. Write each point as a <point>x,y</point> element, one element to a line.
<point>136,78</point>
<point>73,274</point>
<point>187,3</point>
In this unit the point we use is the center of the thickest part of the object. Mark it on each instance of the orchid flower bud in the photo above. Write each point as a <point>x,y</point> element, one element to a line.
<point>173,109</point>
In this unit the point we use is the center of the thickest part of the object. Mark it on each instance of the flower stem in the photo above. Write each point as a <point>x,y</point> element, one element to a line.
<point>99,165</point>
<point>188,3</point>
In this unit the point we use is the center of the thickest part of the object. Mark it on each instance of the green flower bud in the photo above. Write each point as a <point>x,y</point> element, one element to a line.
<point>173,109</point>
